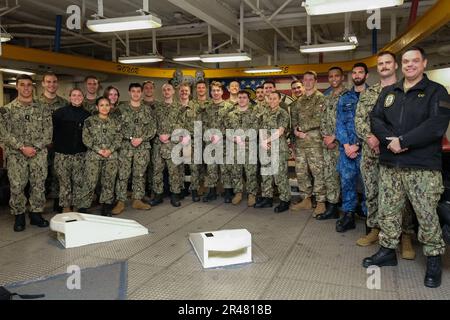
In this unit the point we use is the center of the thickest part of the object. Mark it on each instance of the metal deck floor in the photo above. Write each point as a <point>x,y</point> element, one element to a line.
<point>294,257</point>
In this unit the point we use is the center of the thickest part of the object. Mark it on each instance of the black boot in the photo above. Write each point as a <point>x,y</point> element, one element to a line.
<point>195,197</point>
<point>82,210</point>
<point>106,210</point>
<point>175,200</point>
<point>56,207</point>
<point>345,223</point>
<point>383,258</point>
<point>19,224</point>
<point>332,212</point>
<point>211,195</point>
<point>228,195</point>
<point>37,220</point>
<point>264,203</point>
<point>313,201</point>
<point>434,272</point>
<point>158,199</point>
<point>283,206</point>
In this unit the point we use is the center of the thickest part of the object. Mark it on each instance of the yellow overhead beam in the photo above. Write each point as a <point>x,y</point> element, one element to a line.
<point>432,20</point>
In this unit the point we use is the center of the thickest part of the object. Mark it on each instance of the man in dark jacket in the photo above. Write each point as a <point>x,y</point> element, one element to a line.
<point>409,120</point>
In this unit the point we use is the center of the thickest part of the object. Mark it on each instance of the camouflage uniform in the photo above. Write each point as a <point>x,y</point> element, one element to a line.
<point>149,172</point>
<point>410,183</point>
<point>189,114</point>
<point>370,167</point>
<point>90,105</point>
<point>244,120</point>
<point>100,134</point>
<point>306,115</point>
<point>70,172</point>
<point>273,120</point>
<point>135,123</point>
<point>213,119</point>
<point>52,183</point>
<point>330,157</point>
<point>168,118</point>
<point>30,126</point>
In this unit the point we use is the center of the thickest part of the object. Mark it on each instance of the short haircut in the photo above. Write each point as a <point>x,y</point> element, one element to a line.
<point>244,92</point>
<point>147,82</point>
<point>216,84</point>
<point>106,92</point>
<point>277,93</point>
<point>90,77</point>
<point>361,65</point>
<point>295,81</point>
<point>167,84</point>
<point>76,89</point>
<point>97,102</point>
<point>185,84</point>
<point>236,82</point>
<point>312,73</point>
<point>23,77</point>
<point>134,85</point>
<point>387,52</point>
<point>270,82</point>
<point>336,68</point>
<point>200,82</point>
<point>416,48</point>
<point>49,74</point>
<point>259,87</point>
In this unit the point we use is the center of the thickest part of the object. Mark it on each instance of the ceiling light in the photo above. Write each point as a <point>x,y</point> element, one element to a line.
<point>318,7</point>
<point>328,47</point>
<point>187,58</point>
<point>266,70</point>
<point>13,71</point>
<point>151,58</point>
<point>225,57</point>
<point>5,37</point>
<point>124,23</point>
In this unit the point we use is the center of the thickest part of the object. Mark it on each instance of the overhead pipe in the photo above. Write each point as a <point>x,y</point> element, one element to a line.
<point>279,9</point>
<point>413,12</point>
<point>241,27</point>
<point>58,29</point>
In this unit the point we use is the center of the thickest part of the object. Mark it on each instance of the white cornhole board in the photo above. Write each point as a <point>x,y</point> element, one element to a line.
<point>222,248</point>
<point>77,229</point>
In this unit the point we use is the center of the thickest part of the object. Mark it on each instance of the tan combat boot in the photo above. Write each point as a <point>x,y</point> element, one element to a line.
<point>139,205</point>
<point>369,239</point>
<point>320,209</point>
<point>118,209</point>
<point>408,251</point>
<point>251,200</point>
<point>67,209</point>
<point>304,204</point>
<point>237,198</point>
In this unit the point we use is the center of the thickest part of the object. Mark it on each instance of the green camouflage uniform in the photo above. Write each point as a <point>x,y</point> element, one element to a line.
<point>100,134</point>
<point>90,105</point>
<point>306,116</point>
<point>213,119</point>
<point>273,120</point>
<point>330,157</point>
<point>168,118</point>
<point>52,183</point>
<point>30,126</point>
<point>189,114</point>
<point>70,172</point>
<point>244,120</point>
<point>370,168</point>
<point>135,123</point>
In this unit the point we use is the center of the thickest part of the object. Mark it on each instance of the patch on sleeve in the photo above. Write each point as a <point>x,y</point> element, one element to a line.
<point>389,100</point>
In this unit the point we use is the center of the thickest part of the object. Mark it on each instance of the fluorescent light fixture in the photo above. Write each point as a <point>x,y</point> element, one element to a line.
<point>151,58</point>
<point>12,83</point>
<point>328,47</point>
<point>225,57</point>
<point>13,71</point>
<point>5,37</point>
<point>187,58</point>
<point>266,70</point>
<point>124,23</point>
<point>318,7</point>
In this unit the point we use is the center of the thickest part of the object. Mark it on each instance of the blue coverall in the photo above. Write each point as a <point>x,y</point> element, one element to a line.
<point>348,168</point>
